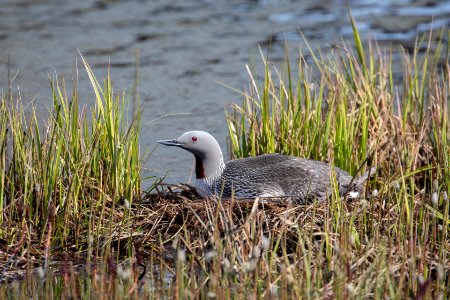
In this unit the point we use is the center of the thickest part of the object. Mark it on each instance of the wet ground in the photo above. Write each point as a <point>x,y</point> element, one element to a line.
<point>187,51</point>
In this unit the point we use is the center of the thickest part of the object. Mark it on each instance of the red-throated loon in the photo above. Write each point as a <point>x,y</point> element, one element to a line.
<point>269,175</point>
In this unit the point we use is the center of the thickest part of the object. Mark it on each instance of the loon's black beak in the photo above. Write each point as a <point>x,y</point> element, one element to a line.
<point>170,143</point>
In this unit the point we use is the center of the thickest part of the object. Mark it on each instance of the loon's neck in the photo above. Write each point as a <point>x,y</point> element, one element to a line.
<point>209,164</point>
<point>207,180</point>
<point>209,167</point>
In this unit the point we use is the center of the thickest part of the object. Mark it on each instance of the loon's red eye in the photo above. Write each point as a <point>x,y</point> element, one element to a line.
<point>194,138</point>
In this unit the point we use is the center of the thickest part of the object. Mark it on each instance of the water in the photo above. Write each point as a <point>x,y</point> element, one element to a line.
<point>187,49</point>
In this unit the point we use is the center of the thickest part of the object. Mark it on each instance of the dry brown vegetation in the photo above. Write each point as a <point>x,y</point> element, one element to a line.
<point>71,203</point>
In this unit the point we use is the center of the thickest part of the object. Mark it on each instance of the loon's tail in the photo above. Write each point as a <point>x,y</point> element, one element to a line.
<point>363,178</point>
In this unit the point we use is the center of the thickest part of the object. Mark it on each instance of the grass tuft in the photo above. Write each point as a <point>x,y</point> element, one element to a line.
<point>70,191</point>
<point>59,178</point>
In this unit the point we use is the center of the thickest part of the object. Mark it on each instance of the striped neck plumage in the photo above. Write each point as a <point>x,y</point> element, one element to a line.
<point>218,173</point>
<point>209,169</point>
<point>206,185</point>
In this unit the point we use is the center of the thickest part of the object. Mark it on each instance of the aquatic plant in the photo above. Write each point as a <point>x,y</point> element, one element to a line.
<point>72,190</point>
<point>59,178</point>
<point>348,109</point>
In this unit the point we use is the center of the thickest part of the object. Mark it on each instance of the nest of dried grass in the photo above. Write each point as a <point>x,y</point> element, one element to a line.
<point>167,215</point>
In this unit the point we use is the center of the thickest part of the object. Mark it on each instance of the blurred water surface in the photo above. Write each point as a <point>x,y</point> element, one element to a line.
<point>187,48</point>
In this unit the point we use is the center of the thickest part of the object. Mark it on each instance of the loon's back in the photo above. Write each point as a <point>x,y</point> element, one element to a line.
<point>276,175</point>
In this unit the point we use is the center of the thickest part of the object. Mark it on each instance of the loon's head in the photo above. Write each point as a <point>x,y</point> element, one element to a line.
<point>206,149</point>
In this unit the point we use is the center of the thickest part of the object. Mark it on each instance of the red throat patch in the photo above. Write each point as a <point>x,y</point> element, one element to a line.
<point>199,170</point>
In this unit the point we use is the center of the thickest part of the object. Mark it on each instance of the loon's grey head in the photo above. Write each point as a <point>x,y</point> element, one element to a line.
<point>206,149</point>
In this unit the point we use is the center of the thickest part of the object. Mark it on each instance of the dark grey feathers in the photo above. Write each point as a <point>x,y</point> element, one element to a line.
<point>275,175</point>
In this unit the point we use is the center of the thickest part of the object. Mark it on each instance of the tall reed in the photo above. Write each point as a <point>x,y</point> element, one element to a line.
<point>345,107</point>
<point>69,186</point>
<point>62,176</point>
